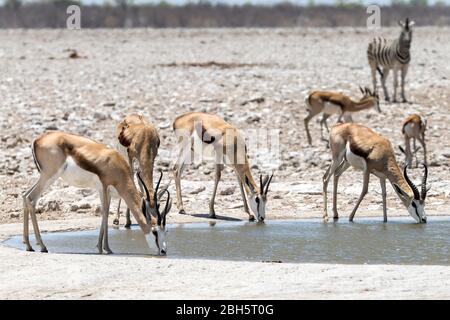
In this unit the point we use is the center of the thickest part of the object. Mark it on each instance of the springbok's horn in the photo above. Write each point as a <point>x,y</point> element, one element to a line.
<point>424,182</point>
<point>141,182</point>
<point>411,184</point>
<point>268,183</point>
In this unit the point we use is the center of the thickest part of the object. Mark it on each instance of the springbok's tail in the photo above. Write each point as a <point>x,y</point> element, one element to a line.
<point>36,162</point>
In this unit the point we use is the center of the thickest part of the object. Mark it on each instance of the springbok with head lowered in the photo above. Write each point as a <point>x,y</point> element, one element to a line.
<point>393,55</point>
<point>357,146</point>
<point>414,128</point>
<point>229,148</point>
<point>138,139</point>
<point>84,163</point>
<point>329,103</point>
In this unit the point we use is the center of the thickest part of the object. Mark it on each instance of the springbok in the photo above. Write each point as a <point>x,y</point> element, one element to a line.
<point>85,163</point>
<point>229,148</point>
<point>414,128</point>
<point>360,147</point>
<point>330,103</point>
<point>138,139</point>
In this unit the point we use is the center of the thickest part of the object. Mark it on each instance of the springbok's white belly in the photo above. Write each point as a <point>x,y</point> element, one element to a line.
<point>78,177</point>
<point>355,161</point>
<point>331,108</point>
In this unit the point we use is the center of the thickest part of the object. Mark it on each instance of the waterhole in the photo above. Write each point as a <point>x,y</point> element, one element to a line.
<point>366,241</point>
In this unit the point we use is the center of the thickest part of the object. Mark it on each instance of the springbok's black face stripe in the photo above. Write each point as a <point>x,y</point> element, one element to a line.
<point>415,209</point>
<point>156,238</point>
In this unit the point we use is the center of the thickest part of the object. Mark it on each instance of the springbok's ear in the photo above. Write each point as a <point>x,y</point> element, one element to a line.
<point>411,23</point>
<point>400,191</point>
<point>247,182</point>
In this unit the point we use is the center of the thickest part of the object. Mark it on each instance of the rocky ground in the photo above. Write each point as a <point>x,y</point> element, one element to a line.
<point>86,81</point>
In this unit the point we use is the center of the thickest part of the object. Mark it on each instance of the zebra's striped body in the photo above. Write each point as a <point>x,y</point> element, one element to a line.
<point>385,55</point>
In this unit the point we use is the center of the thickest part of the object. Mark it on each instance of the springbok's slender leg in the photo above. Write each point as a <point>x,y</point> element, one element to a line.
<point>306,121</point>
<point>116,219</point>
<point>366,174</point>
<point>335,163</point>
<point>30,200</point>
<point>323,122</point>
<point>422,142</point>
<point>383,83</point>
<point>408,151</point>
<point>244,198</point>
<point>415,152</point>
<point>383,195</point>
<point>339,171</point>
<point>106,200</point>
<point>404,71</point>
<point>212,213</point>
<point>180,164</point>
<point>395,74</point>
<point>26,213</point>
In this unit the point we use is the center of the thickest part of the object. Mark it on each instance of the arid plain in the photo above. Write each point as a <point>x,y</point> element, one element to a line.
<point>86,81</point>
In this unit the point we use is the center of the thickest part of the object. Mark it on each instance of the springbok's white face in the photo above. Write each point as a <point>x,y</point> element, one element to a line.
<point>417,210</point>
<point>157,238</point>
<point>257,199</point>
<point>258,206</point>
<point>415,204</point>
<point>155,218</point>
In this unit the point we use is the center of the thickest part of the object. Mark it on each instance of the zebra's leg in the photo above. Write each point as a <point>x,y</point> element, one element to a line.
<point>395,84</point>
<point>403,74</point>
<point>383,83</point>
<point>373,69</point>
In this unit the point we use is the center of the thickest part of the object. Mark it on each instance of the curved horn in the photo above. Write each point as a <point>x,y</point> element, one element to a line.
<point>141,182</point>
<point>268,183</point>
<point>167,207</point>
<point>361,89</point>
<point>261,184</point>
<point>424,182</point>
<point>411,184</point>
<point>155,194</point>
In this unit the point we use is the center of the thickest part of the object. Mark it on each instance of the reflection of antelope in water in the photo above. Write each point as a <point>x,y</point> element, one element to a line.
<point>85,163</point>
<point>329,103</point>
<point>414,128</point>
<point>138,140</point>
<point>225,139</point>
<point>357,146</point>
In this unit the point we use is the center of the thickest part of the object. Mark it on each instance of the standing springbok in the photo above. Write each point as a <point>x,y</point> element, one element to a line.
<point>360,147</point>
<point>229,148</point>
<point>414,128</point>
<point>138,140</point>
<point>330,103</point>
<point>84,163</point>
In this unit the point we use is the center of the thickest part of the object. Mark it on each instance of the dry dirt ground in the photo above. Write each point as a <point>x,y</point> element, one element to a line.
<point>257,80</point>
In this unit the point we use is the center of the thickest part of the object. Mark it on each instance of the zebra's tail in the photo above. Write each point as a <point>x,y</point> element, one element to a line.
<point>379,71</point>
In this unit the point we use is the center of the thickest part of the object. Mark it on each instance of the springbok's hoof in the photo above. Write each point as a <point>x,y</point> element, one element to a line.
<point>44,250</point>
<point>30,249</point>
<point>251,218</point>
<point>212,216</point>
<point>116,222</point>
<point>182,211</point>
<point>127,226</point>
<point>335,218</point>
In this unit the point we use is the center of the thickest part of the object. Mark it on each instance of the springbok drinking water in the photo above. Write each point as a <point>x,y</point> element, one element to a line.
<point>229,148</point>
<point>85,163</point>
<point>363,149</point>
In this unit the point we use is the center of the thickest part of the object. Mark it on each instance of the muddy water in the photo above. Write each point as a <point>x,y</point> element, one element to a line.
<point>367,241</point>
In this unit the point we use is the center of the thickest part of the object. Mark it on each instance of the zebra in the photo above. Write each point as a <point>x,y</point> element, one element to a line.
<point>389,55</point>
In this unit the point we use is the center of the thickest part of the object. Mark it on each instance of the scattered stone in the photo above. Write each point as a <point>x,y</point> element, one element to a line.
<point>227,191</point>
<point>197,190</point>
